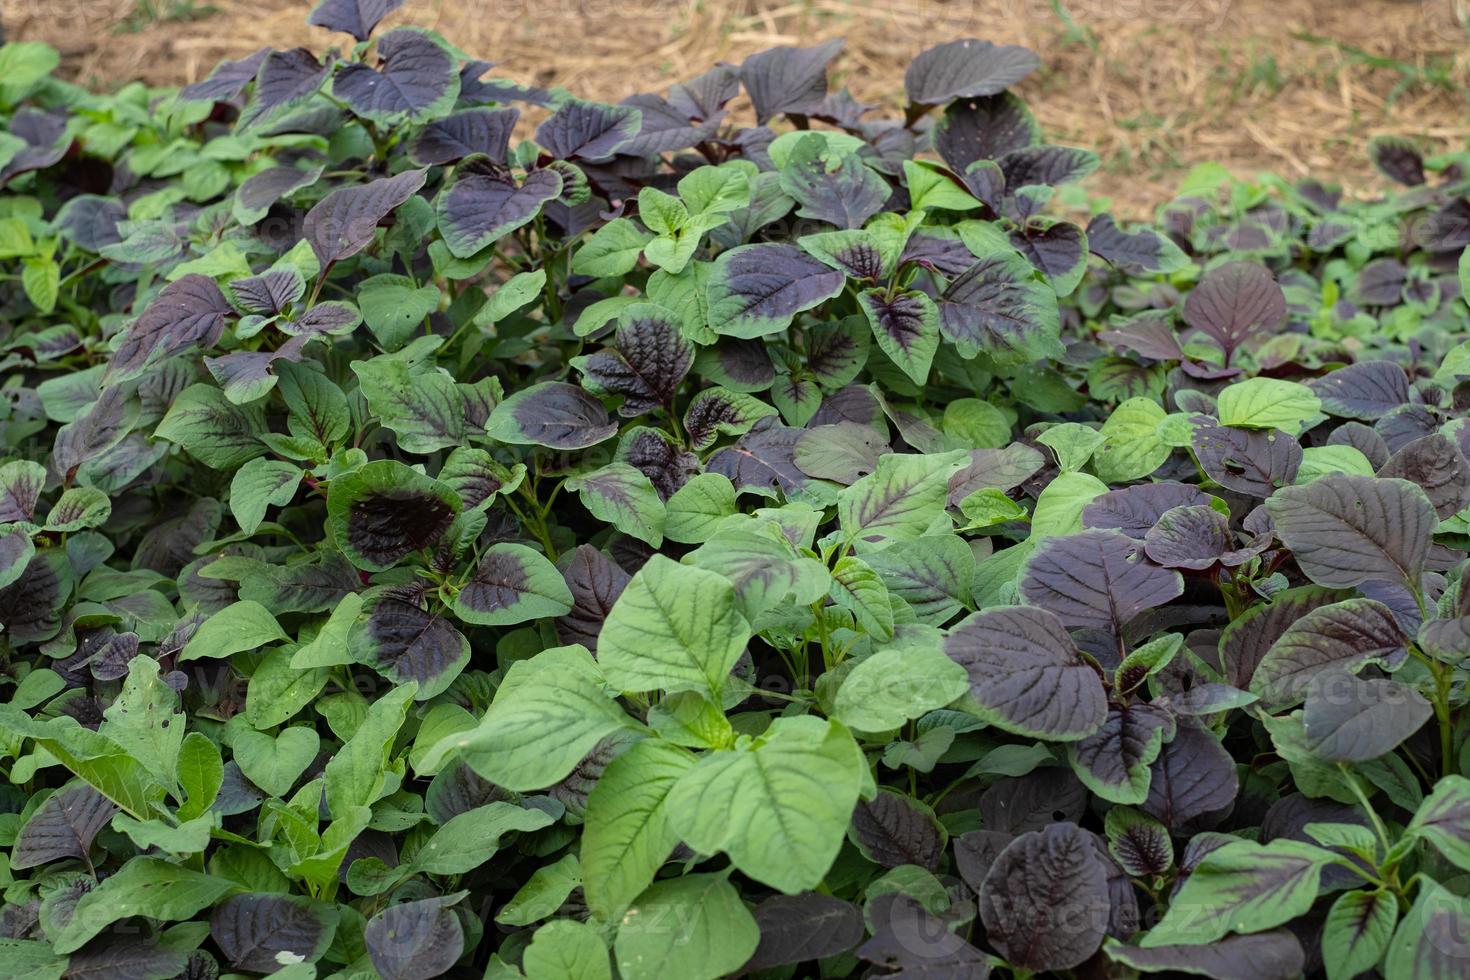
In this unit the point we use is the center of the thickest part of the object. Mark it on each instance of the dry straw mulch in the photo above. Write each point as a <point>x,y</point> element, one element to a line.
<point>1156,86</point>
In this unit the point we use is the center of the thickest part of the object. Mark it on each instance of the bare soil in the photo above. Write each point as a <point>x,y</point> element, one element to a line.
<point>1155,86</point>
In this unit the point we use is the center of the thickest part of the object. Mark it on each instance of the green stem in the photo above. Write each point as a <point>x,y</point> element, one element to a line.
<point>1378,827</point>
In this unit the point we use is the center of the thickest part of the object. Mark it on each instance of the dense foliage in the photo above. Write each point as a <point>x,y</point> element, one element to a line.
<point>651,546</point>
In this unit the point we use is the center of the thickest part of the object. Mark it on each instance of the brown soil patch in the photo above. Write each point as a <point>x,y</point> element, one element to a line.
<point>1156,86</point>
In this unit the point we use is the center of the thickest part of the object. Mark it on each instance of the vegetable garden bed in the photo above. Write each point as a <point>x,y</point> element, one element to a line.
<point>451,528</point>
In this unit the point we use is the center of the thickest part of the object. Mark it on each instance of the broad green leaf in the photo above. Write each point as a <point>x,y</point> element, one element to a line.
<point>240,626</point>
<point>1430,943</point>
<point>778,804</point>
<point>567,950</point>
<point>674,628</point>
<point>278,689</point>
<point>144,720</point>
<point>899,500</point>
<point>623,496</point>
<point>897,684</point>
<point>145,886</point>
<point>627,836</point>
<point>612,250</point>
<point>694,928</point>
<point>274,763</point>
<point>1268,403</point>
<point>1357,932</point>
<point>355,775</point>
<point>548,713</point>
<point>470,839</point>
<point>426,410</point>
<point>260,484</point>
<point>200,774</point>
<point>1131,447</point>
<point>544,892</point>
<point>212,430</point>
<point>696,509</point>
<point>1243,887</point>
<point>861,591</point>
<point>1443,819</point>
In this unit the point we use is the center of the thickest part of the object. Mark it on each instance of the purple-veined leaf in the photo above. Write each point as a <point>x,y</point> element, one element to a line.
<point>1193,777</point>
<point>477,476</point>
<point>259,932</point>
<point>463,134</point>
<point>21,483</point>
<point>1046,165</point>
<point>623,496</point>
<point>43,135</point>
<point>588,130</point>
<point>30,606</point>
<point>1249,461</point>
<point>227,81</point>
<point>1027,675</point>
<point>762,460</point>
<point>1352,719</point>
<point>512,584</point>
<point>1096,579</point>
<point>1366,390</point>
<point>480,208</point>
<point>269,293</point>
<point>1196,537</point>
<point>999,307</point>
<point>259,192</point>
<point>551,414</point>
<point>906,327</point>
<point>1346,530</point>
<point>595,582</point>
<point>355,17</point>
<point>417,80</point>
<point>189,312</point>
<point>803,927</point>
<point>1233,303</point>
<point>843,191</point>
<point>343,223</point>
<point>1033,801</point>
<point>1398,159</point>
<point>789,80</point>
<point>966,69</point>
<point>1436,464</point>
<point>1274,955</point>
<point>1247,639</point>
<point>892,829</point>
<point>415,940</point>
<point>62,827</point>
<point>1045,901</point>
<point>403,641</point>
<point>1344,635</point>
<point>755,290</point>
<point>384,511</point>
<point>908,939</point>
<point>285,79</point>
<point>661,458</point>
<point>1134,510</point>
<point>1114,761</point>
<point>984,128</point>
<point>718,411</point>
<point>1058,249</point>
<point>649,359</point>
<point>1138,842</point>
<point>1141,251</point>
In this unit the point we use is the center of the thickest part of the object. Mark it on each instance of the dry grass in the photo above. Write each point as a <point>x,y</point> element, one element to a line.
<point>1295,86</point>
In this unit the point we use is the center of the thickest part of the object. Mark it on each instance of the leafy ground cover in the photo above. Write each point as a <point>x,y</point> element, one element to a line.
<point>670,546</point>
